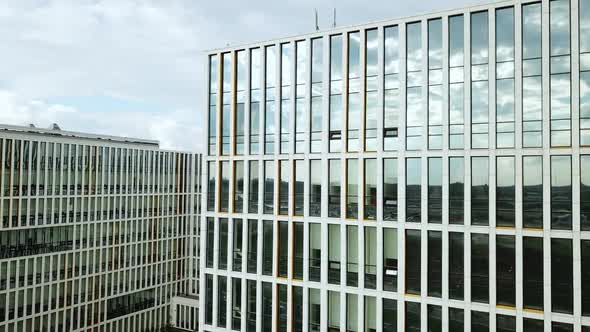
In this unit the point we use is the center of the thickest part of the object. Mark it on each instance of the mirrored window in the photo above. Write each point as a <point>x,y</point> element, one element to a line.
<point>391,89</point>
<point>561,192</point>
<point>414,103</point>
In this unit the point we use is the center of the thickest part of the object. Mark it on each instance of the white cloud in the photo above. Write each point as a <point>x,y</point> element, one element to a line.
<point>144,51</point>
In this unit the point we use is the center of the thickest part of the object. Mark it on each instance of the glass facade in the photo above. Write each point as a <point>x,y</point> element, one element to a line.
<point>418,160</point>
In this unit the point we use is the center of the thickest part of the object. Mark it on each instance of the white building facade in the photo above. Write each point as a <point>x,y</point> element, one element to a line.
<point>428,173</point>
<point>98,233</point>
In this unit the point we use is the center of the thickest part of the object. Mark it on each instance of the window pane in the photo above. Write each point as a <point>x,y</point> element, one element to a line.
<point>238,186</point>
<point>269,183</point>
<point>299,187</point>
<point>252,246</point>
<point>533,273</point>
<point>413,271</point>
<point>370,257</point>
<point>480,284</point>
<point>479,191</point>
<point>283,250</point>
<point>315,251</point>
<point>390,259</point>
<point>390,189</point>
<point>456,319</point>
<point>456,265</point>
<point>434,263</point>
<point>505,191</point>
<point>389,315</point>
<point>505,271</point>
<point>334,188</point>
<point>253,187</point>
<point>352,188</point>
<point>267,247</point>
<point>456,190</point>
<point>585,277</point>
<point>370,204</point>
<point>334,253</point>
<point>315,188</point>
<point>585,192</point>
<point>224,187</point>
<point>285,177</point>
<point>435,190</point>
<point>561,276</point>
<point>561,192</point>
<point>434,318</point>
<point>532,193</point>
<point>412,317</point>
<point>413,189</point>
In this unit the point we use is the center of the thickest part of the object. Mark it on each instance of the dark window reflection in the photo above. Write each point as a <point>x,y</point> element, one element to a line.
<point>505,323</point>
<point>585,192</point>
<point>480,321</point>
<point>561,192</point>
<point>390,189</point>
<point>456,190</point>
<point>413,189</point>
<point>435,190</point>
<point>532,325</point>
<point>434,318</point>
<point>456,319</point>
<point>480,261</point>
<point>505,193</point>
<point>561,276</point>
<point>505,271</point>
<point>585,277</point>
<point>412,317</point>
<point>480,187</point>
<point>413,271</point>
<point>434,263</point>
<point>533,272</point>
<point>532,192</point>
<point>456,265</point>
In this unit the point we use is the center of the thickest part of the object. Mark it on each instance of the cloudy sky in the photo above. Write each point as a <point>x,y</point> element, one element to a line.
<point>135,68</point>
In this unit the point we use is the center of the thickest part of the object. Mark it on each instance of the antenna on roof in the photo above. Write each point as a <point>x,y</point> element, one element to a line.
<point>317,27</point>
<point>334,19</point>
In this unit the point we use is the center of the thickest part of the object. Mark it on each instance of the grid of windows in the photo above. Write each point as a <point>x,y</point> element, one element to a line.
<point>94,233</point>
<point>473,187</point>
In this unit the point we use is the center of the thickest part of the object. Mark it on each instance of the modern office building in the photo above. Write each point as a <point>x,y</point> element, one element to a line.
<point>428,173</point>
<point>98,233</point>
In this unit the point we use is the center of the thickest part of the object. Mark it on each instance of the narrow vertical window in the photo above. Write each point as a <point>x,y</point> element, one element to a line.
<point>221,301</point>
<point>252,246</point>
<point>585,192</point>
<point>390,189</point>
<point>315,188</point>
<point>210,242</point>
<point>505,192</point>
<point>353,96</point>
<point>223,243</point>
<point>237,251</point>
<point>236,306</point>
<point>532,191</point>
<point>370,257</point>
<point>286,83</point>
<point>505,323</point>
<point>434,319</point>
<point>479,80</point>
<point>434,263</point>
<point>456,190</point>
<point>336,89</point>
<point>227,100</point>
<point>352,258</point>
<point>269,187</point>
<point>317,65</point>
<point>370,202</point>
<point>390,259</point>
<point>505,77</point>
<point>315,251</point>
<point>283,250</point>
<point>389,315</point>
<point>391,107</point>
<point>412,316</point>
<point>298,251</point>
<point>298,187</point>
<point>505,271</point>
<point>208,299</point>
<point>413,269</point>
<point>267,303</point>
<point>352,312</point>
<point>334,188</point>
<point>414,81</point>
<point>480,321</point>
<point>480,270</point>
<point>211,194</point>
<point>267,247</point>
<point>213,95</point>
<point>285,177</point>
<point>334,254</point>
<point>315,309</point>
<point>251,306</point>
<point>352,188</point>
<point>532,272</point>
<point>301,78</point>
<point>224,186</point>
<point>435,84</point>
<point>435,190</point>
<point>560,81</point>
<point>333,311</point>
<point>371,97</point>
<point>297,305</point>
<point>480,183</point>
<point>370,313</point>
<point>282,305</point>
<point>253,187</point>
<point>532,81</point>
<point>562,267</point>
<point>240,100</point>
<point>270,71</point>
<point>238,186</point>
<point>561,327</point>
<point>413,189</point>
<point>561,192</point>
<point>255,98</point>
<point>456,82</point>
<point>456,319</point>
<point>456,266</point>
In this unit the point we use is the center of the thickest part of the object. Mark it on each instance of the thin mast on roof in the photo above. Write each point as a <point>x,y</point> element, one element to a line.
<point>317,27</point>
<point>334,19</point>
